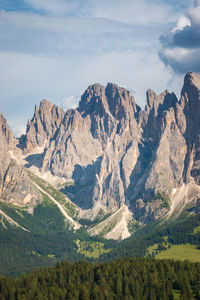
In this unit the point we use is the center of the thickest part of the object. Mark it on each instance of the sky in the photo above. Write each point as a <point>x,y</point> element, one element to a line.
<point>55,49</point>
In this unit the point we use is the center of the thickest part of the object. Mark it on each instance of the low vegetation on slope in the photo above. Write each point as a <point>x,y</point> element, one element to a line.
<point>71,209</point>
<point>91,249</point>
<point>182,231</point>
<point>48,238</point>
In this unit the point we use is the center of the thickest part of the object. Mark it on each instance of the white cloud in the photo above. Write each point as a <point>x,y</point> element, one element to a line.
<point>72,44</point>
<point>70,102</point>
<point>181,46</point>
<point>25,79</point>
<point>181,24</point>
<point>194,14</point>
<point>182,59</point>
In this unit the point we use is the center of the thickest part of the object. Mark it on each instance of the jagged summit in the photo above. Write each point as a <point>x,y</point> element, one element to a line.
<point>120,102</point>
<point>163,101</point>
<point>46,104</point>
<point>191,90</point>
<point>42,127</point>
<point>192,78</point>
<point>118,156</point>
<point>93,100</point>
<point>112,99</point>
<point>6,135</point>
<point>15,186</point>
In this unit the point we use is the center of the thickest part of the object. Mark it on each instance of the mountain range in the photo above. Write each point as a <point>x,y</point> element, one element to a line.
<point>108,166</point>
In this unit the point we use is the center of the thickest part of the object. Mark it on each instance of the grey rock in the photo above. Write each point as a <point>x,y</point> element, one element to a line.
<point>43,126</point>
<point>115,153</point>
<point>15,185</point>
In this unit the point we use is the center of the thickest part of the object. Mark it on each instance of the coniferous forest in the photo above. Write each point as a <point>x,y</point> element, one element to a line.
<point>127,278</point>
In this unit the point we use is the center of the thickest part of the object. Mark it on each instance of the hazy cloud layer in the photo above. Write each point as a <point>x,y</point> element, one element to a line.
<point>181,46</point>
<point>129,11</point>
<point>55,49</point>
<point>45,35</point>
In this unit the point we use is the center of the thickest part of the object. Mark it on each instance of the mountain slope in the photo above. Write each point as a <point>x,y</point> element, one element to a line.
<point>108,153</point>
<point>15,185</point>
<point>108,167</point>
<point>107,170</point>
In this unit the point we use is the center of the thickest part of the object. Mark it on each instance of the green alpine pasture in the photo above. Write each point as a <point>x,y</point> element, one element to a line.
<point>91,249</point>
<point>180,252</point>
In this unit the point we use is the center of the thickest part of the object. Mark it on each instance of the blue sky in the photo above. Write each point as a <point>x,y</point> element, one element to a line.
<point>54,49</point>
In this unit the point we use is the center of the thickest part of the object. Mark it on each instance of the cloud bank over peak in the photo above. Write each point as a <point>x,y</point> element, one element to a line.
<point>54,49</point>
<point>181,45</point>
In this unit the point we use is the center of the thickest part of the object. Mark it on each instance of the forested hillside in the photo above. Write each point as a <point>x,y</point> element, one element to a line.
<point>22,251</point>
<point>145,279</point>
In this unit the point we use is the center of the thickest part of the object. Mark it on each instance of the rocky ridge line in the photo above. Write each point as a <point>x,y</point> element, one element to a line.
<point>116,154</point>
<point>110,156</point>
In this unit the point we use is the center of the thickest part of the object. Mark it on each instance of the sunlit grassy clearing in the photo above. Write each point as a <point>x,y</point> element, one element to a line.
<point>91,249</point>
<point>196,230</point>
<point>180,252</point>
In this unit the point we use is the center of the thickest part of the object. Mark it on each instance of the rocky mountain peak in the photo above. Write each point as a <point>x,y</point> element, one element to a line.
<point>45,105</point>
<point>6,135</point>
<point>190,94</point>
<point>42,127</point>
<point>121,103</point>
<point>190,99</point>
<point>45,108</point>
<point>113,100</point>
<point>192,78</point>
<point>113,91</point>
<point>158,103</point>
<point>15,186</point>
<point>93,101</point>
<point>116,154</point>
<point>152,116</point>
<point>190,112</point>
<point>51,116</point>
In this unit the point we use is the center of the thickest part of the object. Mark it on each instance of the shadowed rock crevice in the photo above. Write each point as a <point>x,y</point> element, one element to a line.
<point>81,189</point>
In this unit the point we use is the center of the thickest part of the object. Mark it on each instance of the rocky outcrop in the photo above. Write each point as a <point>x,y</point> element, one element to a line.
<point>162,150</point>
<point>115,154</point>
<point>93,146</point>
<point>6,135</point>
<point>15,185</point>
<point>190,105</point>
<point>17,188</point>
<point>43,126</point>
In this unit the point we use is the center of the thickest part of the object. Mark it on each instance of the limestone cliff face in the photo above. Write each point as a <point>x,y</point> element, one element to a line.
<point>17,188</point>
<point>91,143</point>
<point>43,126</point>
<point>190,105</point>
<point>6,140</point>
<point>116,154</point>
<point>6,136</point>
<point>162,149</point>
<point>15,185</point>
